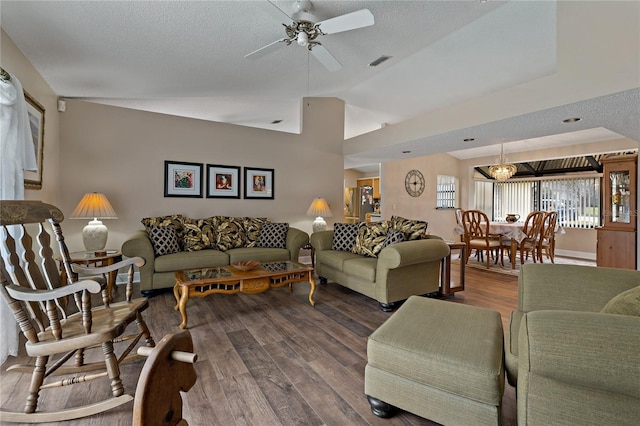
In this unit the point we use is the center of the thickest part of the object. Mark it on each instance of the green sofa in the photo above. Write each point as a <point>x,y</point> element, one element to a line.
<point>401,270</point>
<point>158,272</point>
<point>571,363</point>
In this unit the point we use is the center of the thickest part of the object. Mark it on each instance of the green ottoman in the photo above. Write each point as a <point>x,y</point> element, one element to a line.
<point>439,360</point>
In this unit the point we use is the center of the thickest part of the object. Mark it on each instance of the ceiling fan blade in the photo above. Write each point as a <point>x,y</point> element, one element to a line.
<point>326,58</point>
<point>282,12</point>
<point>350,21</point>
<point>269,48</point>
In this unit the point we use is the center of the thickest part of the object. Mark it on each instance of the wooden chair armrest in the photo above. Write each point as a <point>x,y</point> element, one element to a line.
<point>96,270</point>
<point>31,295</point>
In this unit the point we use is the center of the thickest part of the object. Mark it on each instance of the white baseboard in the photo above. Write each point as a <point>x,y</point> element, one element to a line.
<point>576,254</point>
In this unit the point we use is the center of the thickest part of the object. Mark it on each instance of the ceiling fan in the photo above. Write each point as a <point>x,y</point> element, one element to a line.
<point>304,30</point>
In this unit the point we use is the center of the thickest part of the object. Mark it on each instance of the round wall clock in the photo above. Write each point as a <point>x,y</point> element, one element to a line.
<point>414,183</point>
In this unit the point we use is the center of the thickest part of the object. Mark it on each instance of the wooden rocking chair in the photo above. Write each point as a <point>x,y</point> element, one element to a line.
<point>57,318</point>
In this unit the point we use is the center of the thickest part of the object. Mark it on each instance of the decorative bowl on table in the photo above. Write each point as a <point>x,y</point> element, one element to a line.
<point>246,265</point>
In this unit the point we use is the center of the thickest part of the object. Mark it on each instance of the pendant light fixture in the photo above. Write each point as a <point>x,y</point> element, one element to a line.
<point>503,170</point>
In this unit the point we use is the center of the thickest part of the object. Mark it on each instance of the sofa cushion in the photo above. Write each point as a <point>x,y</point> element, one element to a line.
<point>252,228</point>
<point>173,221</point>
<point>361,267</point>
<point>393,236</point>
<point>344,236</point>
<point>164,240</point>
<point>273,235</point>
<point>626,303</point>
<point>413,229</point>
<point>229,233</point>
<point>198,234</point>
<point>334,259</point>
<point>371,236</point>
<point>191,260</point>
<point>258,253</point>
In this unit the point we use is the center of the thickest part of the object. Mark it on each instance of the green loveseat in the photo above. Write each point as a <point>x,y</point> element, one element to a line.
<point>205,247</point>
<point>401,270</point>
<point>571,363</point>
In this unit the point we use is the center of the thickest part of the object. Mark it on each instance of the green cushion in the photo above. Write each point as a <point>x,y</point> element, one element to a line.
<point>452,347</point>
<point>626,303</point>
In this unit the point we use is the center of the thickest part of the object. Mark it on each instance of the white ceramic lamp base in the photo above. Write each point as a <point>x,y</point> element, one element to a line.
<point>94,236</point>
<point>319,224</point>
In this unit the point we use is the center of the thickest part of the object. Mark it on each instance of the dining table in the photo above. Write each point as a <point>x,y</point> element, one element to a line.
<point>512,230</point>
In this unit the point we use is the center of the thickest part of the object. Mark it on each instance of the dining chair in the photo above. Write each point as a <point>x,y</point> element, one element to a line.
<point>477,236</point>
<point>547,241</point>
<point>529,244</point>
<point>58,318</point>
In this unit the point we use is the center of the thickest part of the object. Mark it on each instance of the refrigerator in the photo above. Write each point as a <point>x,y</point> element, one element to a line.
<point>358,201</point>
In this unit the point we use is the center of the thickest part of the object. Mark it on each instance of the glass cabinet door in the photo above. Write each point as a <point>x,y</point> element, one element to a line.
<point>620,199</point>
<point>620,192</point>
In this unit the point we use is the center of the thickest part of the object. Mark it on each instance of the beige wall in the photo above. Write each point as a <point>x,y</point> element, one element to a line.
<point>121,152</point>
<point>12,60</point>
<point>396,200</point>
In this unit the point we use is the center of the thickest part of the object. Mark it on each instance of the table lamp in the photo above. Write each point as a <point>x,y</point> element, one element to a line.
<point>94,206</point>
<point>320,209</point>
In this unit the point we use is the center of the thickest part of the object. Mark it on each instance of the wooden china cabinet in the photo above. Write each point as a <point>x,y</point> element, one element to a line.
<point>617,236</point>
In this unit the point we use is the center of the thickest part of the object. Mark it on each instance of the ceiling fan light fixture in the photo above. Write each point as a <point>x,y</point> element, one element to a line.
<point>303,38</point>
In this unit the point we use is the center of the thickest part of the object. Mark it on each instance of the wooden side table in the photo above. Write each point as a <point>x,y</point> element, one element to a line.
<point>445,278</point>
<point>89,258</point>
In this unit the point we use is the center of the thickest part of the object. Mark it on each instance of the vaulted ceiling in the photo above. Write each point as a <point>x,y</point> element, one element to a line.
<point>188,58</point>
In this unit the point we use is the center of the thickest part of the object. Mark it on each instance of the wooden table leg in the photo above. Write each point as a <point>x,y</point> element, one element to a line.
<point>312,283</point>
<point>182,303</point>
<point>514,249</point>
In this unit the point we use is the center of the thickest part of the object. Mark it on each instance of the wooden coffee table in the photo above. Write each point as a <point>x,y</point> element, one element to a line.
<point>229,280</point>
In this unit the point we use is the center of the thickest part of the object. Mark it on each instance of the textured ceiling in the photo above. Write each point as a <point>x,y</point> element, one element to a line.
<point>187,58</point>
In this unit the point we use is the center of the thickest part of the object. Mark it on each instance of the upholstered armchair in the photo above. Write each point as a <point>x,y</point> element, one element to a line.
<point>573,345</point>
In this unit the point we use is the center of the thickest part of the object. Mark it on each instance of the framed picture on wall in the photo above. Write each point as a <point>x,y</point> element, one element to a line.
<point>258,183</point>
<point>35,112</point>
<point>183,179</point>
<point>223,181</point>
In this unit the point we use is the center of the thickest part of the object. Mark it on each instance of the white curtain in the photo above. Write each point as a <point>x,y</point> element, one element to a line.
<point>17,153</point>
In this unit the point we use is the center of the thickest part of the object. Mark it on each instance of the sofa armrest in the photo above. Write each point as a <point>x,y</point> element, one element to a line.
<point>138,244</point>
<point>296,239</point>
<point>567,358</point>
<point>411,252</point>
<point>322,240</point>
<point>571,287</point>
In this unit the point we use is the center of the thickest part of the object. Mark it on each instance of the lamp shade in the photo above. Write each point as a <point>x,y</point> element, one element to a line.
<point>94,205</point>
<point>319,207</point>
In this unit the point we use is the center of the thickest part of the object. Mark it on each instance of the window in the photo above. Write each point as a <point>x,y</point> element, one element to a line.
<point>446,192</point>
<point>577,200</point>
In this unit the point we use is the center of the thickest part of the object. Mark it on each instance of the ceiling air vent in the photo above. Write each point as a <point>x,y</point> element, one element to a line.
<point>380,60</point>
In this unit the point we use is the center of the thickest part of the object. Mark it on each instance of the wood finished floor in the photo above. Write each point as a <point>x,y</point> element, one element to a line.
<point>272,359</point>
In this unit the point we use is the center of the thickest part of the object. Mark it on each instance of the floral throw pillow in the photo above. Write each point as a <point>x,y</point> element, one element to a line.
<point>371,237</point>
<point>252,228</point>
<point>413,229</point>
<point>230,233</point>
<point>198,234</point>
